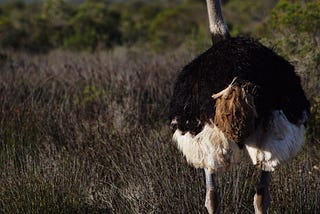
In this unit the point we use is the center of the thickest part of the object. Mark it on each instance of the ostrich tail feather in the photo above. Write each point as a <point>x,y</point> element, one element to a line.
<point>236,113</point>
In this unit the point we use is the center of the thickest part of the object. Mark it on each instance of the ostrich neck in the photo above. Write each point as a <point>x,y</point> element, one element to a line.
<point>218,27</point>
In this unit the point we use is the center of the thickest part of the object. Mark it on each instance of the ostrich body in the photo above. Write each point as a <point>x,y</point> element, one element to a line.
<point>238,95</point>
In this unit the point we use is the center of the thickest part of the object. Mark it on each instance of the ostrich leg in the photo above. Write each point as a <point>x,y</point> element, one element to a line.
<point>262,197</point>
<point>212,196</point>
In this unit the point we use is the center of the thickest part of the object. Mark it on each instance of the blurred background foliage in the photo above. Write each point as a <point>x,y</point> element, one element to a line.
<point>40,26</point>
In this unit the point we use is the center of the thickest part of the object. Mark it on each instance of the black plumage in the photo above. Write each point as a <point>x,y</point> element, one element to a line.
<point>275,85</point>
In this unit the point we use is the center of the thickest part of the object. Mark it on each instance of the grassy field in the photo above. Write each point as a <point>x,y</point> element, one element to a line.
<point>88,133</point>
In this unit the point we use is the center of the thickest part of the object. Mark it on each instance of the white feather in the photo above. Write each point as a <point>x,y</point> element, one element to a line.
<point>278,142</point>
<point>267,146</point>
<point>208,149</point>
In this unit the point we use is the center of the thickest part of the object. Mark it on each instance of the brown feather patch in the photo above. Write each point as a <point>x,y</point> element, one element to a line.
<point>235,112</point>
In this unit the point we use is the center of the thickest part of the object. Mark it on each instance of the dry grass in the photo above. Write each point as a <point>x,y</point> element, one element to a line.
<point>88,133</point>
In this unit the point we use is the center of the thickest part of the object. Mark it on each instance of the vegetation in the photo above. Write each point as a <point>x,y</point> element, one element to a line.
<point>293,31</point>
<point>87,132</point>
<point>101,24</point>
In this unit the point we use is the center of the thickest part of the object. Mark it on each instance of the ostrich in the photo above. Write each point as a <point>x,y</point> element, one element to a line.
<point>238,95</point>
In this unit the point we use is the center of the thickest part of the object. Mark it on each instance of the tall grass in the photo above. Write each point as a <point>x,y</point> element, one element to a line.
<point>88,133</point>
